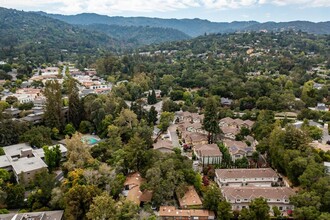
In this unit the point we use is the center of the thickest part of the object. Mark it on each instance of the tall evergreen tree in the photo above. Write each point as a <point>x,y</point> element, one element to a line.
<point>210,123</point>
<point>53,116</point>
<point>152,99</point>
<point>152,115</point>
<point>74,103</point>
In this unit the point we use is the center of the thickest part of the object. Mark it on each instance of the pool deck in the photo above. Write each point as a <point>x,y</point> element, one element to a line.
<point>84,136</point>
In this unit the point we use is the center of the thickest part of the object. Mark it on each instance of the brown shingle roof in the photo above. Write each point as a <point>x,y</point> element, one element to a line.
<point>134,180</point>
<point>238,121</point>
<point>247,173</point>
<point>208,150</point>
<point>233,193</point>
<point>249,123</point>
<point>134,195</point>
<point>228,130</point>
<point>230,143</point>
<point>184,125</point>
<point>227,120</point>
<point>190,198</point>
<point>190,115</point>
<point>146,196</point>
<point>171,211</point>
<point>194,136</point>
<point>163,144</point>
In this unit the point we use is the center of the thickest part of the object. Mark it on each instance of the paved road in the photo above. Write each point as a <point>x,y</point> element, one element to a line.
<point>173,136</point>
<point>326,135</point>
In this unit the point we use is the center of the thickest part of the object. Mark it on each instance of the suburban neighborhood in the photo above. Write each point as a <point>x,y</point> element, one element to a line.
<point>226,125</point>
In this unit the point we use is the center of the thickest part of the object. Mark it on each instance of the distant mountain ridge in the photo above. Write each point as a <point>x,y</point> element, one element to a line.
<point>33,36</point>
<point>305,26</point>
<point>194,27</point>
<point>139,35</point>
<point>43,39</point>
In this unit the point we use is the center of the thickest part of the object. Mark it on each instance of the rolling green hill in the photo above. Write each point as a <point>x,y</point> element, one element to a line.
<point>34,37</point>
<point>137,36</point>
<point>194,27</point>
<point>191,27</point>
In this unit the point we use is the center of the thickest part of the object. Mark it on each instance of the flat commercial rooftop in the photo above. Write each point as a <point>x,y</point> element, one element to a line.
<point>26,164</point>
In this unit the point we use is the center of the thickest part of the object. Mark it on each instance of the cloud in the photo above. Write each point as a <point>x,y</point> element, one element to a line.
<point>111,7</point>
<point>232,4</point>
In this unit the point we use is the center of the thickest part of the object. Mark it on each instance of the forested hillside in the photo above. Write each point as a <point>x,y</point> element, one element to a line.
<point>306,26</point>
<point>30,36</point>
<point>195,27</point>
<point>137,36</point>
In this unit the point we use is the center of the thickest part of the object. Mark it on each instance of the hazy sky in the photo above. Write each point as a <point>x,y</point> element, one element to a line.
<point>214,10</point>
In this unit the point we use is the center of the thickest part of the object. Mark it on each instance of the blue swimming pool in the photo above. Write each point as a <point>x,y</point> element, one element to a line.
<point>90,140</point>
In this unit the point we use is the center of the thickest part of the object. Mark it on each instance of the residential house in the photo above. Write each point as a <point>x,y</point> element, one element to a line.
<point>157,93</point>
<point>194,138</point>
<point>44,78</point>
<point>25,95</point>
<point>24,161</point>
<point>238,123</point>
<point>44,215</point>
<point>132,189</point>
<point>298,124</point>
<point>12,112</point>
<point>286,115</point>
<point>248,124</point>
<point>164,146</point>
<point>208,154</point>
<point>186,126</point>
<point>41,153</point>
<point>252,141</point>
<point>264,177</point>
<point>231,127</point>
<point>25,168</point>
<point>238,149</point>
<point>240,197</point>
<point>20,159</point>
<point>39,101</point>
<point>226,122</point>
<point>229,132</point>
<point>320,146</point>
<point>50,71</point>
<point>35,118</point>
<point>190,199</point>
<point>321,107</point>
<point>190,117</point>
<point>226,101</point>
<point>171,213</point>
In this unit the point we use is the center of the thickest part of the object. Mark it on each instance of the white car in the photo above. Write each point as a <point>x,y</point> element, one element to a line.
<point>196,163</point>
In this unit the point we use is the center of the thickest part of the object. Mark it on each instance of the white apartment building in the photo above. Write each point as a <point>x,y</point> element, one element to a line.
<point>263,177</point>
<point>240,197</point>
